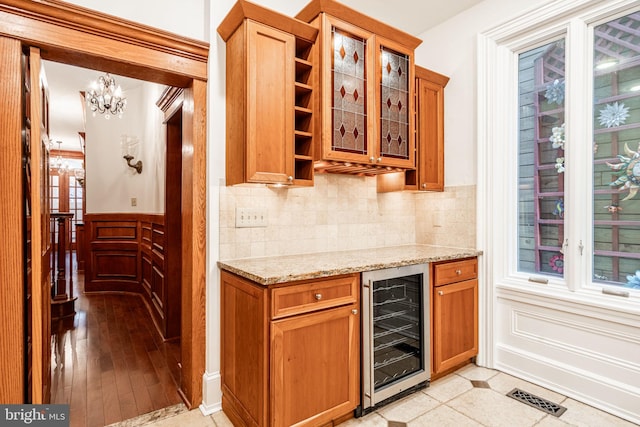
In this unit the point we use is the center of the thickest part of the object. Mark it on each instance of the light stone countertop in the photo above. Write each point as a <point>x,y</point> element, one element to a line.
<point>290,268</point>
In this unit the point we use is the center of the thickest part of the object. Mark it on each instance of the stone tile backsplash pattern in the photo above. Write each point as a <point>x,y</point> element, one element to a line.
<point>343,212</point>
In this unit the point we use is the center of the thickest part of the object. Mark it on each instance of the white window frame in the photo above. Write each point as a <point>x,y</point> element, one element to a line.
<point>497,118</point>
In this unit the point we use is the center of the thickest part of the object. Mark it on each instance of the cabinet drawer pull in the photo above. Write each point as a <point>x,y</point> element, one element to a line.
<point>440,293</point>
<point>318,296</point>
<point>458,272</point>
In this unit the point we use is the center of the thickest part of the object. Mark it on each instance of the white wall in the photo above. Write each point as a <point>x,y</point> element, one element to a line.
<point>110,183</point>
<point>450,49</point>
<point>188,18</point>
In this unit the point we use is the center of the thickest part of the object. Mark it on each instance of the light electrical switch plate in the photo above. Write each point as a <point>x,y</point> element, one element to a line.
<point>251,217</point>
<point>134,201</point>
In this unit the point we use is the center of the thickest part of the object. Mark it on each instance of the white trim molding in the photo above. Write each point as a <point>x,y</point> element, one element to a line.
<point>565,335</point>
<point>211,393</point>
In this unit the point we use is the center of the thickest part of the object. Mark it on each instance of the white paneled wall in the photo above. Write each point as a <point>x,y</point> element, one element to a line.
<point>588,353</point>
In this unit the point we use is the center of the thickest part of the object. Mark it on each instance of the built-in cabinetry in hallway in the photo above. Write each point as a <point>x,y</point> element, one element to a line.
<point>128,253</point>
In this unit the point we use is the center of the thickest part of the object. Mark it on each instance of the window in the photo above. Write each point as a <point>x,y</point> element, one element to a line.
<point>541,83</point>
<point>616,151</point>
<point>574,211</point>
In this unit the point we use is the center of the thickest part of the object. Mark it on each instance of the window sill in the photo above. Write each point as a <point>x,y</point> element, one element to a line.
<point>586,301</point>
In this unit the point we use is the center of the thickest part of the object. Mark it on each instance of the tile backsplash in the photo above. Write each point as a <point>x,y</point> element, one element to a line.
<point>447,218</point>
<point>340,212</point>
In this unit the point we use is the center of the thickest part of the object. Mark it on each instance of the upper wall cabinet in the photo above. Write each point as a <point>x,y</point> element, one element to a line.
<point>365,92</point>
<point>269,85</point>
<point>429,172</point>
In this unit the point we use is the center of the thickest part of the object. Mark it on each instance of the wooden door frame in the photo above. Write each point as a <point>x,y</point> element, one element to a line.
<point>78,36</point>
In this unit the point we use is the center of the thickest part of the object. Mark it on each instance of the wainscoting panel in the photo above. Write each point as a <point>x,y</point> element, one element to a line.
<point>115,265</point>
<point>572,348</point>
<point>126,253</point>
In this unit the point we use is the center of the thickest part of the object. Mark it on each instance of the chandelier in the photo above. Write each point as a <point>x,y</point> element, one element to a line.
<point>58,162</point>
<point>105,97</point>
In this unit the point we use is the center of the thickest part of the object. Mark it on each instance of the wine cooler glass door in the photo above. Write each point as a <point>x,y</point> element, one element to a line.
<point>397,332</point>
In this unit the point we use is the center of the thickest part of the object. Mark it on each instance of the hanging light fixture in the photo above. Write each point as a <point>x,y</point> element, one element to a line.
<point>58,162</point>
<point>105,97</point>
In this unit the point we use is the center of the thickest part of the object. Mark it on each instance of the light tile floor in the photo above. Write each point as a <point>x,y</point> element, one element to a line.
<point>449,401</point>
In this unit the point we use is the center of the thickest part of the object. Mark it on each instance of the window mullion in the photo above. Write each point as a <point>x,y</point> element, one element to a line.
<point>578,146</point>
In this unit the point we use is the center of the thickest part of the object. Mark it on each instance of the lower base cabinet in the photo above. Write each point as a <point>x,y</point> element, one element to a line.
<point>455,314</point>
<point>290,354</point>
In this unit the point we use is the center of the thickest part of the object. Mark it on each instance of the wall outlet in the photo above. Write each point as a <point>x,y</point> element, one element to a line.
<point>251,217</point>
<point>134,201</point>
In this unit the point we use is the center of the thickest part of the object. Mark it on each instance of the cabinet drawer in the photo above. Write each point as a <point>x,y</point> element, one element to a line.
<point>315,295</point>
<point>456,271</point>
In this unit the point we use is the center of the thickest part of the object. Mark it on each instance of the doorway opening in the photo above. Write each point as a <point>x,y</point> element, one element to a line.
<point>58,32</point>
<point>118,355</point>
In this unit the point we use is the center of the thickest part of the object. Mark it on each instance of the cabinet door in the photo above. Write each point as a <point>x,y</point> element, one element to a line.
<point>269,104</point>
<point>394,88</point>
<point>315,367</point>
<point>348,98</point>
<point>430,129</point>
<point>455,324</point>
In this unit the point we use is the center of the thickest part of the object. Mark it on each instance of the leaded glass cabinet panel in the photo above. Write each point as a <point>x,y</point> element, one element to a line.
<point>394,104</point>
<point>349,84</point>
<point>367,101</point>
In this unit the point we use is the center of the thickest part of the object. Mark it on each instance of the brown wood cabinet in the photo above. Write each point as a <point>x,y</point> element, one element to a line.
<point>269,92</point>
<point>429,172</point>
<point>454,323</point>
<point>290,353</point>
<point>365,80</point>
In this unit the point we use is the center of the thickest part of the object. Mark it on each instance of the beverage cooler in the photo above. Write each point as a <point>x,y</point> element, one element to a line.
<point>395,334</point>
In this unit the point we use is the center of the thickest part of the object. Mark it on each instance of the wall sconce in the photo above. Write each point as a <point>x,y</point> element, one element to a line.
<point>129,146</point>
<point>79,174</point>
<point>137,166</point>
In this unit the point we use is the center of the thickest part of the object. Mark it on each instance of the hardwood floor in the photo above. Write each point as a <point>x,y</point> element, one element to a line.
<point>109,362</point>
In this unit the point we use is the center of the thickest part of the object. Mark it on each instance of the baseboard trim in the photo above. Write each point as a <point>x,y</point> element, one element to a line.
<point>587,387</point>
<point>211,393</point>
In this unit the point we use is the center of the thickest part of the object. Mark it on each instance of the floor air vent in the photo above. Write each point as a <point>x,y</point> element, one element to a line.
<point>537,402</point>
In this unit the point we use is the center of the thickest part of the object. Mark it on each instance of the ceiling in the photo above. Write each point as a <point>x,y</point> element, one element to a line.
<point>65,81</point>
<point>411,16</point>
<point>66,109</point>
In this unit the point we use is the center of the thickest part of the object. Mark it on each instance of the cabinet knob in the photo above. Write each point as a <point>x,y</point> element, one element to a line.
<point>318,296</point>
<point>354,311</point>
<point>372,159</point>
<point>379,159</point>
<point>458,272</point>
<point>440,293</point>
<point>424,185</point>
<point>290,178</point>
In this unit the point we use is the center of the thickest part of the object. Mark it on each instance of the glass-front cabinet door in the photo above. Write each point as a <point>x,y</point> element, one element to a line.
<point>347,96</point>
<point>367,102</point>
<point>395,86</point>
